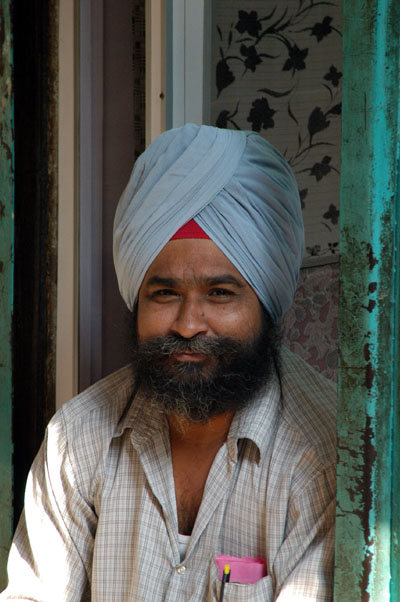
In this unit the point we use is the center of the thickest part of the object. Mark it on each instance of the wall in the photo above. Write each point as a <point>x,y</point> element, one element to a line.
<point>118,158</point>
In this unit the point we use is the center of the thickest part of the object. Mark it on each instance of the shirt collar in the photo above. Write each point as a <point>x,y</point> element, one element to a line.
<point>258,421</point>
<point>142,418</point>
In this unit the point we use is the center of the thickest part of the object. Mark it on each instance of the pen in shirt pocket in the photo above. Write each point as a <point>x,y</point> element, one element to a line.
<point>225,579</point>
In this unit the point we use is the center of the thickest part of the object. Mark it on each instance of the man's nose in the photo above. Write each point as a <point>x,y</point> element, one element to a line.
<point>190,319</point>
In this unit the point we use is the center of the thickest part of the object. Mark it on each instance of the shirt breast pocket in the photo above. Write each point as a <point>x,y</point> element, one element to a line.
<point>261,591</point>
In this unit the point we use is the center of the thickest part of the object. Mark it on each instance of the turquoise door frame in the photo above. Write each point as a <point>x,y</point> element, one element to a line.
<point>6,283</point>
<point>367,525</point>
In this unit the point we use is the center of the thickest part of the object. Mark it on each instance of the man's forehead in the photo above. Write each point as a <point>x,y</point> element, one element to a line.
<point>193,259</point>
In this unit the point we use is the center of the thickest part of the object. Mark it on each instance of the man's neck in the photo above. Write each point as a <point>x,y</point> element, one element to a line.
<point>193,434</point>
<point>193,449</point>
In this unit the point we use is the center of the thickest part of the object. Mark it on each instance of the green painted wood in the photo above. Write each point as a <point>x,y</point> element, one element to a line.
<point>367,556</point>
<point>395,533</point>
<point>6,284</point>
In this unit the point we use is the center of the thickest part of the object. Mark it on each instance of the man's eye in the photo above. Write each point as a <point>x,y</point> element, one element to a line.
<point>221,292</point>
<point>165,292</point>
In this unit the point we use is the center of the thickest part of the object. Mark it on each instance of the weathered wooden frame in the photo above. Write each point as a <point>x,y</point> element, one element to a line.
<point>367,525</point>
<point>6,283</point>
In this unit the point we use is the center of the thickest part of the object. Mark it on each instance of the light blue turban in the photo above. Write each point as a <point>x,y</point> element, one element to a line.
<point>236,186</point>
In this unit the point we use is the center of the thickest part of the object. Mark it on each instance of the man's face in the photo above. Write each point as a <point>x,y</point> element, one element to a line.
<point>202,344</point>
<point>191,289</point>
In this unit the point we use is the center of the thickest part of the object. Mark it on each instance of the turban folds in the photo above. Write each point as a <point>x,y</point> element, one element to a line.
<point>237,187</point>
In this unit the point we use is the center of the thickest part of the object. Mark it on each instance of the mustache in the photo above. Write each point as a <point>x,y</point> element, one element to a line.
<point>168,345</point>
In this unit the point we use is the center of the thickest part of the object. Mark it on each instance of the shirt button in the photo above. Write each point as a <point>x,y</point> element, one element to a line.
<point>181,570</point>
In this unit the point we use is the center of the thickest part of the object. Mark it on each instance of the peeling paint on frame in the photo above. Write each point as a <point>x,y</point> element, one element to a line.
<point>368,469</point>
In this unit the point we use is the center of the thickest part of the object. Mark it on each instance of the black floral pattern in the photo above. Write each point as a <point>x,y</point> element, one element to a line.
<point>314,250</point>
<point>335,110</point>
<point>287,37</point>
<point>303,194</point>
<point>225,117</point>
<point>248,23</point>
<point>322,169</point>
<point>252,57</point>
<point>224,76</point>
<point>333,75</point>
<point>317,122</point>
<point>296,61</point>
<point>260,115</point>
<point>321,30</point>
<point>332,214</point>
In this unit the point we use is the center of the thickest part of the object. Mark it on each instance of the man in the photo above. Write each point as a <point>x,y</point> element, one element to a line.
<point>213,442</point>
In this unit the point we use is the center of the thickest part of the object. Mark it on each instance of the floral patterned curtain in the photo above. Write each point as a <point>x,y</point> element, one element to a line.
<point>277,71</point>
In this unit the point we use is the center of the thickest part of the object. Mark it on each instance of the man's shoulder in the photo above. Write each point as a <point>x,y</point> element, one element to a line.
<point>79,435</point>
<point>300,376</point>
<point>309,403</point>
<point>97,408</point>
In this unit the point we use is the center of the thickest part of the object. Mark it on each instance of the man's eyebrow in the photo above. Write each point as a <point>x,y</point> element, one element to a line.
<point>224,279</point>
<point>160,281</point>
<point>203,280</point>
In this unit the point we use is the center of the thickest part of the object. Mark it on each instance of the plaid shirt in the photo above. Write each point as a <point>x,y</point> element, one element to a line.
<point>100,518</point>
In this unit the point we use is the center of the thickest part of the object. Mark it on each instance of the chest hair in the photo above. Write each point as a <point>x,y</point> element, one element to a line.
<point>188,500</point>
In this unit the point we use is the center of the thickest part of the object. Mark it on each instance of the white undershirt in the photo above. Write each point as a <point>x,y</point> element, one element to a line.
<point>183,541</point>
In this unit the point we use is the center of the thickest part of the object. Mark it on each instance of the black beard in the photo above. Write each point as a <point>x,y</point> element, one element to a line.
<point>230,377</point>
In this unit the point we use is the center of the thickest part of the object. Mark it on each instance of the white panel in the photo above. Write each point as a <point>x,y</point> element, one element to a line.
<point>207,61</point>
<point>178,62</point>
<point>188,46</point>
<point>194,57</point>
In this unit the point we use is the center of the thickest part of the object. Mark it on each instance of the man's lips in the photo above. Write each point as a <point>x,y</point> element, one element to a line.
<point>189,356</point>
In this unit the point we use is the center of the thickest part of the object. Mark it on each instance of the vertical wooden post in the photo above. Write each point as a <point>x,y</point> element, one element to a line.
<point>367,554</point>
<point>6,283</point>
<point>155,76</point>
